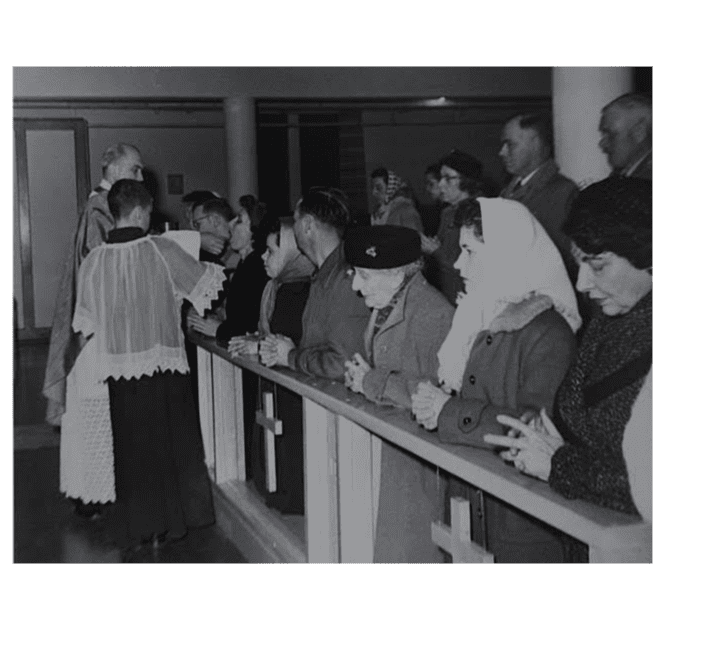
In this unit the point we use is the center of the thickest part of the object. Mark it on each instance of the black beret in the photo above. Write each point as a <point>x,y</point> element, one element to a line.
<point>381,246</point>
<point>464,164</point>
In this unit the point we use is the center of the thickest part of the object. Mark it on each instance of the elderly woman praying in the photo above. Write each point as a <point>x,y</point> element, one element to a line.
<point>409,321</point>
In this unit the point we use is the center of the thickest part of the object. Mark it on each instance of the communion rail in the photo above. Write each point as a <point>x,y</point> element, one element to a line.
<point>343,433</point>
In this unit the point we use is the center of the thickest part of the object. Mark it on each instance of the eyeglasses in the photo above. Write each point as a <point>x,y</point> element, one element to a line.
<point>445,177</point>
<point>196,221</point>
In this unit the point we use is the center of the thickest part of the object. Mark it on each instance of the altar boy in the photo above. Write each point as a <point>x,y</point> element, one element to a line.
<point>129,295</point>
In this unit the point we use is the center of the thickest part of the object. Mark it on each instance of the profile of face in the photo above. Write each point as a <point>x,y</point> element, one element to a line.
<point>241,232</point>
<point>129,166</point>
<point>280,250</point>
<point>521,149</point>
<point>210,223</point>
<point>432,187</point>
<point>611,280</point>
<point>621,134</point>
<point>378,190</point>
<point>450,186</point>
<point>377,287</point>
<point>472,254</point>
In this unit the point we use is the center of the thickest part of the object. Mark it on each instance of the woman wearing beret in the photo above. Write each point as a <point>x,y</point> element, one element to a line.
<point>408,324</point>
<point>580,452</point>
<point>511,343</point>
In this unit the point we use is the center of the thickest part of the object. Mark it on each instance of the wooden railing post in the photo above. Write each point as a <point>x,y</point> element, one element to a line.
<point>321,484</point>
<point>456,540</point>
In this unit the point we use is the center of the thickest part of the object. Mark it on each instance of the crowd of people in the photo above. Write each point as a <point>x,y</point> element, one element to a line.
<point>466,318</point>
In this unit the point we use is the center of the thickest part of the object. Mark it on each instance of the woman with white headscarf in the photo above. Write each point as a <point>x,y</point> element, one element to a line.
<point>394,203</point>
<point>511,342</point>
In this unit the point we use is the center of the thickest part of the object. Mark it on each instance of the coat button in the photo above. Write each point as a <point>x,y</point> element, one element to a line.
<point>488,341</point>
<point>472,380</point>
<point>466,420</point>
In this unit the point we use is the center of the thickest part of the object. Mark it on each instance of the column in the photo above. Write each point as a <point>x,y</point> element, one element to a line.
<point>240,135</point>
<point>579,94</point>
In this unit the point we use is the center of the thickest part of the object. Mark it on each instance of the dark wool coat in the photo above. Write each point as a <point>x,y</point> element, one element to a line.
<point>514,366</point>
<point>242,307</point>
<point>548,196</point>
<point>594,404</point>
<point>334,321</point>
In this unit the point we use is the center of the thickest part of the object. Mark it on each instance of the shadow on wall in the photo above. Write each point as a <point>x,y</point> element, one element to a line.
<point>158,218</point>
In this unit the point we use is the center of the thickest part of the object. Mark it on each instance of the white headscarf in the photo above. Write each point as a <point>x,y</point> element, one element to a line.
<point>521,260</point>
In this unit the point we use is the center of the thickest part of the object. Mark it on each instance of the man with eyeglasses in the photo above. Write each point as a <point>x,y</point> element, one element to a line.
<point>460,178</point>
<point>212,219</point>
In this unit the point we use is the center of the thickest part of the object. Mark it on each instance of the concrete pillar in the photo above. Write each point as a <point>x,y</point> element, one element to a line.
<point>240,134</point>
<point>579,93</point>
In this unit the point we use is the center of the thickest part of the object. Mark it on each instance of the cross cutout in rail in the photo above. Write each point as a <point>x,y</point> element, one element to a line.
<point>273,427</point>
<point>455,540</point>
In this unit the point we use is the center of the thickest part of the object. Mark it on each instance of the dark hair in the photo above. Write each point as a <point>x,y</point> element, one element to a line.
<point>434,171</point>
<point>539,122</point>
<point>198,197</point>
<point>217,206</point>
<point>614,215</point>
<point>125,196</point>
<point>328,206</point>
<point>255,209</point>
<point>469,214</point>
<point>380,173</point>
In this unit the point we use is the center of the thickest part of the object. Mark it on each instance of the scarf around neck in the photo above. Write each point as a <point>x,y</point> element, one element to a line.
<point>521,261</point>
<point>297,269</point>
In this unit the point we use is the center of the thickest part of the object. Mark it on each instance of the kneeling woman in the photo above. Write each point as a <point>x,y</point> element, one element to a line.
<point>580,452</point>
<point>509,348</point>
<point>281,311</point>
<point>409,322</point>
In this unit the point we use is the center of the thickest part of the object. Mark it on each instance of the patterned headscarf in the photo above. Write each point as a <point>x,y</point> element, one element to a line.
<point>395,185</point>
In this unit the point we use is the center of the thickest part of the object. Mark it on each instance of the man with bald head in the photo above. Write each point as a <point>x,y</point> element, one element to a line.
<point>626,135</point>
<point>527,153</point>
<point>120,161</point>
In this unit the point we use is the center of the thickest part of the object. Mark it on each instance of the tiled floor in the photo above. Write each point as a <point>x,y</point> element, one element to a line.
<point>47,529</point>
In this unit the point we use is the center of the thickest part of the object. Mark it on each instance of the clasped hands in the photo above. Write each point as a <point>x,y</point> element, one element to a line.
<point>205,325</point>
<point>274,350</point>
<point>532,442</point>
<point>355,371</point>
<point>427,403</point>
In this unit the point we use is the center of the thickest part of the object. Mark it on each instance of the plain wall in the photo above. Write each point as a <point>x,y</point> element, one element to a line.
<point>279,82</point>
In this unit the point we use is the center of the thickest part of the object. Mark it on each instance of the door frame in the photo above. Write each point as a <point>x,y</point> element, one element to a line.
<point>79,127</point>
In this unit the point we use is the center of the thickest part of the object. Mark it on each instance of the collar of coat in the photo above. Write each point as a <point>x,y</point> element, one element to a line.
<point>539,179</point>
<point>517,315</point>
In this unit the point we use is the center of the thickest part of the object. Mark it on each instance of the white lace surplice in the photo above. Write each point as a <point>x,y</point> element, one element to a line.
<point>129,297</point>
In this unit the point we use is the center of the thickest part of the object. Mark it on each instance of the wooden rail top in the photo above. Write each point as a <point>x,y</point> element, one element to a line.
<point>591,524</point>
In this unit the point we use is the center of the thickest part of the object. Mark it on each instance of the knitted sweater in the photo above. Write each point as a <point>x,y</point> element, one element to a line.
<point>594,404</point>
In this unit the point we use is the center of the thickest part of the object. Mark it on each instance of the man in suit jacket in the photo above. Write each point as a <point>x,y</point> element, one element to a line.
<point>527,150</point>
<point>626,135</point>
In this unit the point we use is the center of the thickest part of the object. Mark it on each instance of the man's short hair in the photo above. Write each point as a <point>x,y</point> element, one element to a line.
<point>114,153</point>
<point>540,122</point>
<point>328,206</point>
<point>217,206</point>
<point>125,196</point>
<point>255,209</point>
<point>638,104</point>
<point>198,197</point>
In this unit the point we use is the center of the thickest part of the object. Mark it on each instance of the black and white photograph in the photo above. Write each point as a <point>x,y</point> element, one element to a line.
<point>342,324</point>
